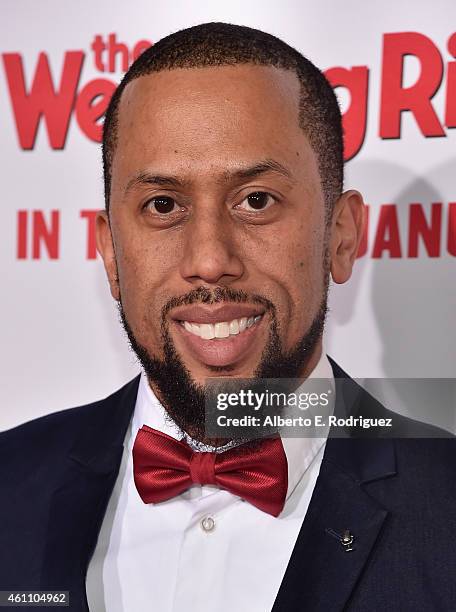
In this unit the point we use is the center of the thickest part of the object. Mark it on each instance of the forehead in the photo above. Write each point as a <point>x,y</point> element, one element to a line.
<point>224,115</point>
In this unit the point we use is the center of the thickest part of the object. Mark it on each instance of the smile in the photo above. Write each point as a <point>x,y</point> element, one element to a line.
<point>219,335</point>
<point>221,329</point>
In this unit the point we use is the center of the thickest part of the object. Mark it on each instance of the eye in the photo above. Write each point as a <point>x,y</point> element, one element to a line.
<point>163,205</point>
<point>256,201</point>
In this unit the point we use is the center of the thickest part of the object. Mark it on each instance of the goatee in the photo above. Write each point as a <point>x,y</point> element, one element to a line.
<point>185,400</point>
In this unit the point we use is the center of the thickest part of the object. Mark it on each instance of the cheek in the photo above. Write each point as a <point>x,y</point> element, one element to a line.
<point>144,259</point>
<point>144,267</point>
<point>293,257</point>
<point>293,273</point>
<point>304,279</point>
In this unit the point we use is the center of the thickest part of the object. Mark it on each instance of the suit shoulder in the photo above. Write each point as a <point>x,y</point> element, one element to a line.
<point>357,401</point>
<point>412,428</point>
<point>428,456</point>
<point>58,429</point>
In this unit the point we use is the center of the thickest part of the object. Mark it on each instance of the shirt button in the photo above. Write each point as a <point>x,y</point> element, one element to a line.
<point>207,524</point>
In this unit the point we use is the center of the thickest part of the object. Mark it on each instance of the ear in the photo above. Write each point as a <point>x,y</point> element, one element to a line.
<point>105,247</point>
<point>347,228</point>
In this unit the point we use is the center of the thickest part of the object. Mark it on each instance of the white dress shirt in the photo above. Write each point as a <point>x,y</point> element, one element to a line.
<point>205,550</point>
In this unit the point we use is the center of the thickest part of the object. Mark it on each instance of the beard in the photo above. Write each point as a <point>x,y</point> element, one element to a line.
<point>183,399</point>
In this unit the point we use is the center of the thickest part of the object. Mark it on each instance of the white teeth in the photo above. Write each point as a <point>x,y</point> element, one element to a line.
<point>207,331</point>
<point>223,329</point>
<point>234,327</point>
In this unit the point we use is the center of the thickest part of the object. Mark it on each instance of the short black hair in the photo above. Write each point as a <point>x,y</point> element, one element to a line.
<point>221,44</point>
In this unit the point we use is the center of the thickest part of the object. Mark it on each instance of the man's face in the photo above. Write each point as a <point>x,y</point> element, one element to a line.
<point>217,220</point>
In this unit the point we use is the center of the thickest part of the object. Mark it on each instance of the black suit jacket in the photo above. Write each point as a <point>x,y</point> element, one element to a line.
<point>396,496</point>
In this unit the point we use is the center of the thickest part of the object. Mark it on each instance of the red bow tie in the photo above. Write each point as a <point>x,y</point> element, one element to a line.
<point>165,467</point>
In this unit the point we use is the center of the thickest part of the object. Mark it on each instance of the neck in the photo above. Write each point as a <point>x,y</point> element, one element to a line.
<point>194,436</point>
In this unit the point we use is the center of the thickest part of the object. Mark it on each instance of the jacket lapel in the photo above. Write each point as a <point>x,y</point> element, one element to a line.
<point>79,501</point>
<point>322,574</point>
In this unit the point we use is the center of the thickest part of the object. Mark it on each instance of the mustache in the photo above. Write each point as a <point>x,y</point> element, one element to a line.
<point>217,295</point>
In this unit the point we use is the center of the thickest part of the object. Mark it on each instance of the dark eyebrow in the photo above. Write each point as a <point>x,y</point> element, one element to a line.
<point>145,178</point>
<point>267,165</point>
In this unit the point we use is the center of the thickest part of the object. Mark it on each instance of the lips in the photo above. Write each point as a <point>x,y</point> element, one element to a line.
<point>200,313</point>
<point>218,335</point>
<point>224,329</point>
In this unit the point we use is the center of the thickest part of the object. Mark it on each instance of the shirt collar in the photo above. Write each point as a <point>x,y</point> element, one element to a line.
<point>300,452</point>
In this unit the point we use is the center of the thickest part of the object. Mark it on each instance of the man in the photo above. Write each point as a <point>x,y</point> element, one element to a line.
<point>225,219</point>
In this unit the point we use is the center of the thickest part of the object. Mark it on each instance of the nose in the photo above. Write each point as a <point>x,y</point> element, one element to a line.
<point>211,251</point>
